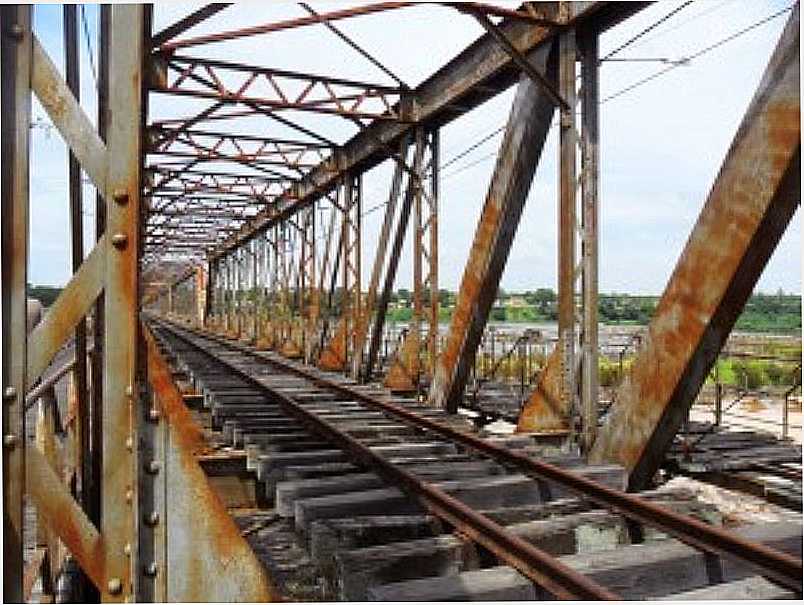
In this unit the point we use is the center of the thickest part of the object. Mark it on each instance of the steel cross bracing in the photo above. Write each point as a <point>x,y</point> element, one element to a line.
<point>260,238</point>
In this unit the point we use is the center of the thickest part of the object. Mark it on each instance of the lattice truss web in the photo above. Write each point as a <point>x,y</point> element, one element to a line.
<point>227,140</point>
<point>231,135</point>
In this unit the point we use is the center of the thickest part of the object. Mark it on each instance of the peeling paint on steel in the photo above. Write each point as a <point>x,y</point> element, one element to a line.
<point>748,208</point>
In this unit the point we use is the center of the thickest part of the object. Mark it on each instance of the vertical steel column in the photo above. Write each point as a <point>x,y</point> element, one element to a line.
<point>379,260</point>
<point>99,324</point>
<point>590,187</point>
<point>352,298</point>
<point>431,200</point>
<point>209,296</point>
<point>72,77</point>
<point>413,362</point>
<point>259,288</point>
<point>238,260</point>
<point>278,292</point>
<point>119,522</point>
<point>393,264</point>
<point>404,372</point>
<point>226,297</point>
<point>567,222</point>
<point>15,42</point>
<point>309,294</point>
<point>253,291</point>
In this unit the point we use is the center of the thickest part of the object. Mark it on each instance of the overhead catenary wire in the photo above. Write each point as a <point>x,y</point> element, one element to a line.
<point>672,65</point>
<point>706,50</point>
<point>648,29</point>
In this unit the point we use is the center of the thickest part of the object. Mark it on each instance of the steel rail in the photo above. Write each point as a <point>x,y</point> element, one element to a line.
<point>777,566</point>
<point>541,567</point>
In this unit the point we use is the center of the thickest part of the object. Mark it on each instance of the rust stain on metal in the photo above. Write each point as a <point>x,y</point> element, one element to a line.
<point>333,356</point>
<point>468,293</point>
<point>224,551</point>
<point>745,213</point>
<point>169,399</point>
<point>55,504</point>
<point>404,370</point>
<point>544,410</point>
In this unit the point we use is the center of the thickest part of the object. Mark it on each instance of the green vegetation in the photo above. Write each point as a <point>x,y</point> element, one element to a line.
<point>773,313</point>
<point>755,373</point>
<point>45,294</point>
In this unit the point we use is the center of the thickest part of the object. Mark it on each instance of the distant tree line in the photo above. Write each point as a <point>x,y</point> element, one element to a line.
<point>779,312</point>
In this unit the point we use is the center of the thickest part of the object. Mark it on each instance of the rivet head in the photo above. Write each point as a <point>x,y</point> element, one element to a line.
<point>153,414</point>
<point>119,240</point>
<point>127,549</point>
<point>153,467</point>
<point>10,441</point>
<point>16,31</point>
<point>120,196</point>
<point>129,495</point>
<point>9,393</point>
<point>151,569</point>
<point>114,586</point>
<point>152,518</point>
<point>129,391</point>
<point>129,444</point>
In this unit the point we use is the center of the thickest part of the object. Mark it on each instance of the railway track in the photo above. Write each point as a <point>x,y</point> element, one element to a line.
<point>376,497</point>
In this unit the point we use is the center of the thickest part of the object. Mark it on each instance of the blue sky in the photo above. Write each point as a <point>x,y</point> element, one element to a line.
<point>661,145</point>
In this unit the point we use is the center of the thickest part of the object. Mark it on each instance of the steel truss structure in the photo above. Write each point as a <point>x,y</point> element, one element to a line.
<point>259,238</point>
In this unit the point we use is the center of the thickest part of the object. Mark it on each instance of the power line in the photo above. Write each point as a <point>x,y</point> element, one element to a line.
<point>497,131</point>
<point>672,65</point>
<point>457,157</point>
<point>696,55</point>
<point>707,11</point>
<point>648,29</point>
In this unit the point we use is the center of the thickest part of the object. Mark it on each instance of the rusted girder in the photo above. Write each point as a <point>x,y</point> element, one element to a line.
<point>203,538</point>
<point>479,72</point>
<point>528,125</point>
<point>191,20</point>
<point>232,82</point>
<point>751,203</point>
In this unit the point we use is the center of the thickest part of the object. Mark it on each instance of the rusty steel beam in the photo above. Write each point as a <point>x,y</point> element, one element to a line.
<point>15,68</point>
<point>203,540</point>
<point>525,134</point>
<point>190,21</point>
<point>56,505</point>
<point>283,25</point>
<point>567,221</point>
<point>120,386</point>
<point>379,260</point>
<point>748,209</point>
<point>73,79</point>
<point>479,72</point>
<point>405,371</point>
<point>393,263</point>
<point>590,166</point>
<point>520,59</point>
<point>318,94</point>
